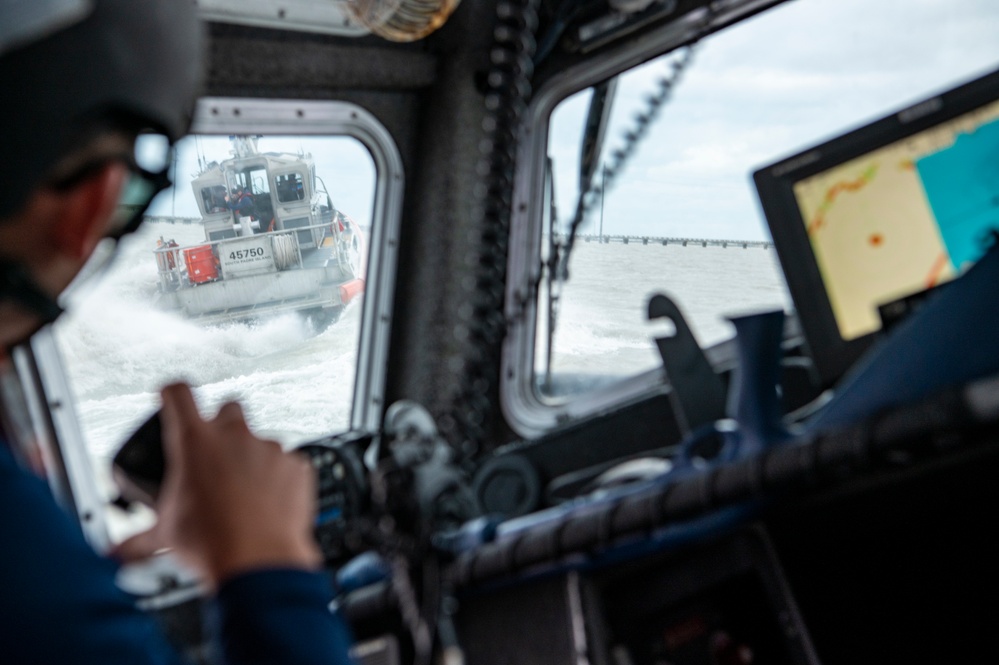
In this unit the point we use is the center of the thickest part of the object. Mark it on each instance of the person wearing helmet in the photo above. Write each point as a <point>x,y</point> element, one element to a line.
<point>91,77</point>
<point>241,202</point>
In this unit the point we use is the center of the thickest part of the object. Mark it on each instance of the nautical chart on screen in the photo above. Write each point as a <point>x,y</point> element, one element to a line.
<point>903,218</point>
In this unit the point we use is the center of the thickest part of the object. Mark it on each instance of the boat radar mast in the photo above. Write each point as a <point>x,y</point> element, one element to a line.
<point>243,146</point>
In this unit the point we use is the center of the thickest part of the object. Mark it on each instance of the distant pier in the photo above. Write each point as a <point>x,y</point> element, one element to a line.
<point>582,237</point>
<point>172,220</point>
<point>665,241</point>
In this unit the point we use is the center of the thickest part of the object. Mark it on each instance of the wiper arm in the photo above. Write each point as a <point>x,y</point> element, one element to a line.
<point>595,130</point>
<point>594,134</point>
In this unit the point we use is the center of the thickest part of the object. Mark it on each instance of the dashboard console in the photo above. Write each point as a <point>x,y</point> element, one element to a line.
<point>724,602</point>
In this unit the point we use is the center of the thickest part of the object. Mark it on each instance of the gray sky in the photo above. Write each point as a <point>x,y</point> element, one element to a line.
<point>787,79</point>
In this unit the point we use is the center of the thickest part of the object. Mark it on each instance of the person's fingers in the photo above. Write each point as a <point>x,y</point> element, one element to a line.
<point>178,404</point>
<point>138,547</point>
<point>181,399</point>
<point>230,412</point>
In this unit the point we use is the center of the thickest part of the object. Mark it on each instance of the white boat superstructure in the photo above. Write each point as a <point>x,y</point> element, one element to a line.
<point>273,242</point>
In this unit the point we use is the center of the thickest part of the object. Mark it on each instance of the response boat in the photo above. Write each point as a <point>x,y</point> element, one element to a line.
<point>274,242</point>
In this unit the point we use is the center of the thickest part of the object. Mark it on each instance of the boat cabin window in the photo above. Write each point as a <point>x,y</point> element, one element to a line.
<point>667,191</point>
<point>267,316</point>
<point>213,199</point>
<point>290,188</point>
<point>254,182</point>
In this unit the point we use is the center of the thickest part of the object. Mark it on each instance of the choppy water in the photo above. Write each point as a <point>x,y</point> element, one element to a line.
<point>602,326</point>
<point>120,349</point>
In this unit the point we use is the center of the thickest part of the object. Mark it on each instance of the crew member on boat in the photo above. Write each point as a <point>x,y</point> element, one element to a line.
<point>241,202</point>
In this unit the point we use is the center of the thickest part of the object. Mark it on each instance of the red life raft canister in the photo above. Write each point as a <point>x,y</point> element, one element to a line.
<point>201,264</point>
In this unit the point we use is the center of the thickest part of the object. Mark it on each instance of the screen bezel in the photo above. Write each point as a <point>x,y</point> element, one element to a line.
<point>831,353</point>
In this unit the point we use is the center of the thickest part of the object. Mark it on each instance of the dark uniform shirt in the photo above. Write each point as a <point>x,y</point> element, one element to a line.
<point>59,603</point>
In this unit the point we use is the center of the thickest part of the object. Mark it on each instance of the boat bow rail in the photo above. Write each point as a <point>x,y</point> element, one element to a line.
<point>261,273</point>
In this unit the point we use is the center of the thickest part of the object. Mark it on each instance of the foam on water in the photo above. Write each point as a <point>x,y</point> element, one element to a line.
<point>602,326</point>
<point>119,348</point>
<point>297,385</point>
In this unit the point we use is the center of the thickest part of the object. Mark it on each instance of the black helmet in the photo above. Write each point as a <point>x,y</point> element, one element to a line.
<point>68,66</point>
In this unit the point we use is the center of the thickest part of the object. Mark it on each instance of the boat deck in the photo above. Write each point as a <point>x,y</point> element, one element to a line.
<point>318,257</point>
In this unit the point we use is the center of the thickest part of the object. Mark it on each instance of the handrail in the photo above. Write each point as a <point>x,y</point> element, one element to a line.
<point>170,276</point>
<point>159,250</point>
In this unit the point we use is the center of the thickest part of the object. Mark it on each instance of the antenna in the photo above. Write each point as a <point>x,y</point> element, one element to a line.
<point>202,162</point>
<point>243,145</point>
<point>173,189</point>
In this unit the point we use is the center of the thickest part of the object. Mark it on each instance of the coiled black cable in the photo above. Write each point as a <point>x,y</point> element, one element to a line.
<point>482,323</point>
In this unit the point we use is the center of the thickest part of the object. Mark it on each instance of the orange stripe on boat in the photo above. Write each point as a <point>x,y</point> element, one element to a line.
<point>350,290</point>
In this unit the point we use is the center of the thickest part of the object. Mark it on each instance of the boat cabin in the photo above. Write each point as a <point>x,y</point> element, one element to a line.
<point>282,189</point>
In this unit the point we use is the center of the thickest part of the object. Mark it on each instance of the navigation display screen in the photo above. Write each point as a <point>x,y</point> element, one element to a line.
<point>868,222</point>
<point>903,218</point>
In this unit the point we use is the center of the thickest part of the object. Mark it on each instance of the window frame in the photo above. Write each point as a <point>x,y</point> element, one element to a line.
<point>41,369</point>
<point>527,412</point>
<point>234,115</point>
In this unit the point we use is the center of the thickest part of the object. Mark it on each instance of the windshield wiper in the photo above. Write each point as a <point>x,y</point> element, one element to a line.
<point>594,134</point>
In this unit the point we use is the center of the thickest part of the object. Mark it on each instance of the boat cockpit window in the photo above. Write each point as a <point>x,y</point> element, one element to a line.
<point>266,309</point>
<point>253,181</point>
<point>660,159</point>
<point>290,188</point>
<point>213,199</point>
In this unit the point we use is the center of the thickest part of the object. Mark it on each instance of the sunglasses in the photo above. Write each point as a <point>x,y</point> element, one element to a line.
<point>148,165</point>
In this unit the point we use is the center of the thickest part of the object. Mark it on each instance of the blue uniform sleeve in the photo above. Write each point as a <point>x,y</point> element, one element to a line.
<point>270,617</point>
<point>241,205</point>
<point>59,602</point>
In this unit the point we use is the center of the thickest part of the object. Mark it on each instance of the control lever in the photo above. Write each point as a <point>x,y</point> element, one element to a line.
<point>697,394</point>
